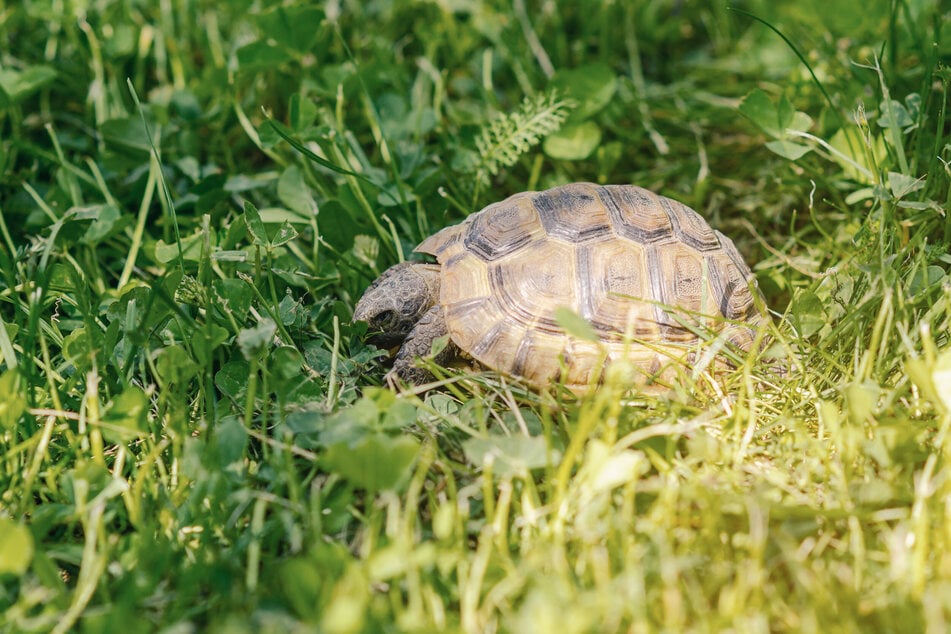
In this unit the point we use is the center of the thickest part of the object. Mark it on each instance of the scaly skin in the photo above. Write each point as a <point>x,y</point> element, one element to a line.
<point>419,343</point>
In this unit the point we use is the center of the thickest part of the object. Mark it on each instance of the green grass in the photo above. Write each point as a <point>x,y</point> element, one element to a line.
<point>192,433</point>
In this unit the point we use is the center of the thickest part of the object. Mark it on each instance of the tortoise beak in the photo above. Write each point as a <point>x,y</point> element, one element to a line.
<point>384,340</point>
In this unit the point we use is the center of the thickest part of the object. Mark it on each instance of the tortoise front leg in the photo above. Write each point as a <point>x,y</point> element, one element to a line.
<point>419,343</point>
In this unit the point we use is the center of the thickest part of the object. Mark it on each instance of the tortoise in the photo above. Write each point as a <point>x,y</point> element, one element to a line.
<point>647,273</point>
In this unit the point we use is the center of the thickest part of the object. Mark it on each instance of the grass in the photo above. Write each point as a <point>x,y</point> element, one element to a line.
<point>192,432</point>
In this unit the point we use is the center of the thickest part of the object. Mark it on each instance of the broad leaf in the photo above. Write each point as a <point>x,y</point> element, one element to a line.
<point>573,142</point>
<point>125,418</point>
<point>788,149</point>
<point>591,87</point>
<point>510,455</point>
<point>16,547</point>
<point>377,462</point>
<point>255,225</point>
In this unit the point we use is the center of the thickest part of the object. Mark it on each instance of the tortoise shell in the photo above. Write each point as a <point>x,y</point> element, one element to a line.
<point>645,271</point>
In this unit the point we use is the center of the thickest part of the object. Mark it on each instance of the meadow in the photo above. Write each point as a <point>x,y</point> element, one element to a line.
<point>194,436</point>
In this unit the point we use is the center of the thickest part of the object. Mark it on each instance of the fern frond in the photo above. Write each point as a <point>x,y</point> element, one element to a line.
<point>509,135</point>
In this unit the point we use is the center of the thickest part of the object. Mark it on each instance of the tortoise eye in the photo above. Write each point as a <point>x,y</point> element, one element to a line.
<point>385,317</point>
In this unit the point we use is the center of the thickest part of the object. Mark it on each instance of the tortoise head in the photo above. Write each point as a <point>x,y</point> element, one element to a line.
<point>393,304</point>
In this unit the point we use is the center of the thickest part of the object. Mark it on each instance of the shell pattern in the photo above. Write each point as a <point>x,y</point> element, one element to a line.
<point>637,266</point>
